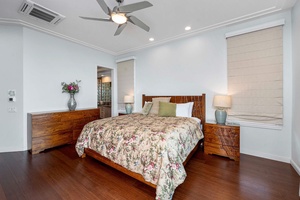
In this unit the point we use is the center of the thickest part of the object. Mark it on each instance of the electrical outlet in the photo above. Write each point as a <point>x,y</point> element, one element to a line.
<point>12,109</point>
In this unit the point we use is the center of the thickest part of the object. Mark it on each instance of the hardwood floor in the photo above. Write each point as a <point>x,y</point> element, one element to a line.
<point>60,174</point>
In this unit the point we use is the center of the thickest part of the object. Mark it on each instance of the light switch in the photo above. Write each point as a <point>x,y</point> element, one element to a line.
<point>11,95</point>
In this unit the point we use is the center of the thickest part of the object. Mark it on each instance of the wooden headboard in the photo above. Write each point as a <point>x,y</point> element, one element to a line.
<point>199,103</point>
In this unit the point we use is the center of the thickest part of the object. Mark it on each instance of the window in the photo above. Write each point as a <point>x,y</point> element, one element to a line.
<point>255,65</point>
<point>125,81</point>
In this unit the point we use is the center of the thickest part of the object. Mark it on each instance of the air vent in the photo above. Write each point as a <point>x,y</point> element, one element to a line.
<point>39,12</point>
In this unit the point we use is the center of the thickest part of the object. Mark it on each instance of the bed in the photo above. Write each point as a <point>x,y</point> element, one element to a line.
<point>148,148</point>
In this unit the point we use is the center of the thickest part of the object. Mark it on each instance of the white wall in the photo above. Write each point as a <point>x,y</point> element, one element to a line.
<point>184,67</point>
<point>48,61</point>
<point>296,88</point>
<point>41,63</point>
<point>11,77</point>
<point>198,65</point>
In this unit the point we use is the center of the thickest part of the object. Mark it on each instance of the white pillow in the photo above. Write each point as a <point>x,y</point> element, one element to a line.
<point>191,109</point>
<point>184,109</point>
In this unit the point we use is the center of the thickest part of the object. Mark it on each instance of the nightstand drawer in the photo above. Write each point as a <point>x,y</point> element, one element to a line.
<point>217,149</point>
<point>212,138</point>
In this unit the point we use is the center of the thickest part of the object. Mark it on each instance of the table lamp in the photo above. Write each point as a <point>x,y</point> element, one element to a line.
<point>128,100</point>
<point>222,103</point>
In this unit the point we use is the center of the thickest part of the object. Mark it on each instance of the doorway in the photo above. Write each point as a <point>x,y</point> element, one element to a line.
<point>104,91</point>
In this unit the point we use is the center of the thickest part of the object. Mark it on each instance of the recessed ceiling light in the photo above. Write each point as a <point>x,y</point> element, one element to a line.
<point>187,28</point>
<point>151,39</point>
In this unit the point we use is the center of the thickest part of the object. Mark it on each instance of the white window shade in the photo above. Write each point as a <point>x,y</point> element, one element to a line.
<point>255,65</point>
<point>125,81</point>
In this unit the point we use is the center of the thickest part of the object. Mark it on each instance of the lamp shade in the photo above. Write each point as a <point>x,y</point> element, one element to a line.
<point>222,101</point>
<point>128,99</point>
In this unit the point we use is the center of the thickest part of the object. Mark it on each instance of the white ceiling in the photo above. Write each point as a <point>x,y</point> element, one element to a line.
<point>166,19</point>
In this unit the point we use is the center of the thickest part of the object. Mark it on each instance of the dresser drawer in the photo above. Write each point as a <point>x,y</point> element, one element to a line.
<point>50,128</point>
<point>45,142</point>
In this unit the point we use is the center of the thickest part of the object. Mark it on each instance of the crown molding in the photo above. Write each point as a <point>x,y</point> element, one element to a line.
<point>267,11</point>
<point>207,28</point>
<point>32,26</point>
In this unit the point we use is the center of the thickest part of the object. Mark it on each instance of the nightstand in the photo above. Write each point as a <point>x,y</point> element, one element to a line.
<point>223,140</point>
<point>122,113</point>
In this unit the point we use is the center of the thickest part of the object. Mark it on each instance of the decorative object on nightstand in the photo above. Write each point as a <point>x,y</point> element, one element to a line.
<point>71,88</point>
<point>128,100</point>
<point>223,140</point>
<point>221,102</point>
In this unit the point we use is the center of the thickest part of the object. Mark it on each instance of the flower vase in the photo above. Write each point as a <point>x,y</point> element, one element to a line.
<point>72,102</point>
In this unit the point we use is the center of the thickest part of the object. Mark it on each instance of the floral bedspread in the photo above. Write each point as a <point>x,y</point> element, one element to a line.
<point>152,146</point>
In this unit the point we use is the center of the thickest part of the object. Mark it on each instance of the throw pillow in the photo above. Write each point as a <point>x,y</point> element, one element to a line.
<point>167,109</point>
<point>147,107</point>
<point>155,101</point>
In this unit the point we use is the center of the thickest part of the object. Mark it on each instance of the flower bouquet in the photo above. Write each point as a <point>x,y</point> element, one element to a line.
<point>71,88</point>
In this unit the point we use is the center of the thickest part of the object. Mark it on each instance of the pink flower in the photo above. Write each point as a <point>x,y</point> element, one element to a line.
<point>70,87</point>
<point>150,166</point>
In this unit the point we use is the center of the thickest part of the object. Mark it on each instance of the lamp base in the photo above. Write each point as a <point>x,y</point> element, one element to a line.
<point>221,116</point>
<point>128,108</point>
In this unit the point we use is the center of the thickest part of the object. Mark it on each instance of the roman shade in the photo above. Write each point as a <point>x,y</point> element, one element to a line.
<point>125,81</point>
<point>255,83</point>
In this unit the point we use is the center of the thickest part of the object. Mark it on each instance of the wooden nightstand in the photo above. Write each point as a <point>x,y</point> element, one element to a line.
<point>223,140</point>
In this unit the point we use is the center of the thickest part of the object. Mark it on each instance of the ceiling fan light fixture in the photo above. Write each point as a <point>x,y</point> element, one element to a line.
<point>119,18</point>
<point>119,13</point>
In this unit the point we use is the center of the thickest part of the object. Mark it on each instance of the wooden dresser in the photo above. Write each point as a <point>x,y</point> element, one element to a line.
<point>51,129</point>
<point>223,140</point>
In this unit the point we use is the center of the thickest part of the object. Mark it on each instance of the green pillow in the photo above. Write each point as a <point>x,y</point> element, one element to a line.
<point>167,109</point>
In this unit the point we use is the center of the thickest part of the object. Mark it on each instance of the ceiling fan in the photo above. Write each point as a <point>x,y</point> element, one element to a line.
<point>119,14</point>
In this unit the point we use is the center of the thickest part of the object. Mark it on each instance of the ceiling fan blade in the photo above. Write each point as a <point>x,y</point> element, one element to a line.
<point>120,29</point>
<point>104,7</point>
<point>97,19</point>
<point>135,6</point>
<point>138,23</point>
